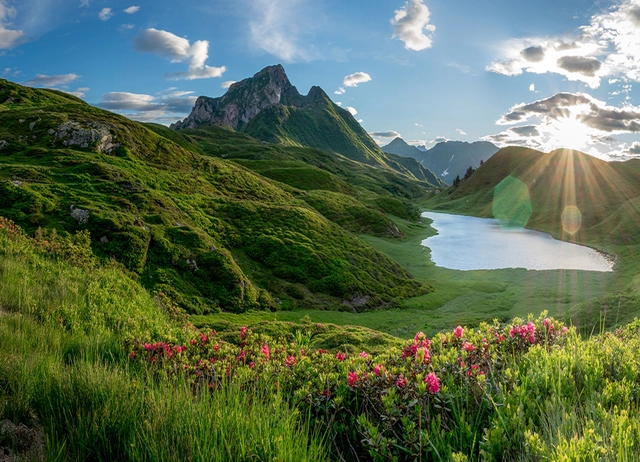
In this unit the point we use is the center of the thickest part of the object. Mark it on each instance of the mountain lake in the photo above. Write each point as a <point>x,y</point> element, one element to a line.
<point>470,243</point>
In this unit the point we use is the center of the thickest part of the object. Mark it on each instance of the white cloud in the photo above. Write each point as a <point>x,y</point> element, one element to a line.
<point>352,80</point>
<point>387,134</point>
<point>126,27</point>
<point>568,120</point>
<point>340,91</point>
<point>277,27</point>
<point>532,87</point>
<point>227,83</point>
<point>105,14</point>
<point>84,3</point>
<point>634,148</point>
<point>132,9</point>
<point>51,80</point>
<point>410,24</point>
<point>609,46</point>
<point>166,107</point>
<point>352,110</point>
<point>8,37</point>
<point>177,49</point>
<point>417,124</point>
<point>460,131</point>
<point>79,92</point>
<point>339,103</point>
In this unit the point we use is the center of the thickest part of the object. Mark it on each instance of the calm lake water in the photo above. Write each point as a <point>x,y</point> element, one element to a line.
<point>469,243</point>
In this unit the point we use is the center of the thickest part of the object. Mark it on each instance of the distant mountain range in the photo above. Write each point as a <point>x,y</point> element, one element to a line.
<point>447,159</point>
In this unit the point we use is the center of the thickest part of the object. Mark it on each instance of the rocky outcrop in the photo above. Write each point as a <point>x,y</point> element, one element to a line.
<point>244,100</point>
<point>74,134</point>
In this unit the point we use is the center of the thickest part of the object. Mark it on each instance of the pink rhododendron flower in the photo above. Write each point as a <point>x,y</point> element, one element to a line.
<point>204,338</point>
<point>340,356</point>
<point>242,355</point>
<point>419,337</point>
<point>378,369</point>
<point>265,351</point>
<point>132,355</point>
<point>433,383</point>
<point>364,355</point>
<point>290,361</point>
<point>458,332</point>
<point>422,355</point>
<point>353,378</point>
<point>243,332</point>
<point>401,382</point>
<point>466,346</point>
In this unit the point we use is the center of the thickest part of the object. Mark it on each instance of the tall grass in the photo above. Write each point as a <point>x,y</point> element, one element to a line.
<point>64,371</point>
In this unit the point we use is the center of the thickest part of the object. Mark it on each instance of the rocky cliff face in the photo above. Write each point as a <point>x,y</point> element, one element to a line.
<point>244,100</point>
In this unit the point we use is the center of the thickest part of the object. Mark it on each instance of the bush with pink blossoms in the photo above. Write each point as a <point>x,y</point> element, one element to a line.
<point>434,396</point>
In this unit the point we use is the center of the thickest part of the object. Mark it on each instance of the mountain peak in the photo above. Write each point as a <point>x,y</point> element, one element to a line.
<point>243,100</point>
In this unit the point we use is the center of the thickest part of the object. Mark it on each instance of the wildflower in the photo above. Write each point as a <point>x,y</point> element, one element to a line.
<point>353,378</point>
<point>290,361</point>
<point>242,355</point>
<point>458,332</point>
<point>216,347</point>
<point>252,364</point>
<point>132,355</point>
<point>192,341</point>
<point>564,329</point>
<point>340,356</point>
<point>401,382</point>
<point>204,338</point>
<point>243,332</point>
<point>433,382</point>
<point>364,355</point>
<point>147,346</point>
<point>419,336</point>
<point>466,346</point>
<point>265,351</point>
<point>378,369</point>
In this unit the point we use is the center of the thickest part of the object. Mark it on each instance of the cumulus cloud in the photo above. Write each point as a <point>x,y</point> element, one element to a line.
<point>132,9</point>
<point>634,148</point>
<point>583,65</point>
<point>41,80</point>
<point>387,134</point>
<point>569,120</point>
<point>352,110</point>
<point>105,14</point>
<point>177,49</point>
<point>227,83</point>
<point>352,80</point>
<point>533,54</point>
<point>165,107</point>
<point>79,92</point>
<point>608,46</point>
<point>8,36</point>
<point>410,24</point>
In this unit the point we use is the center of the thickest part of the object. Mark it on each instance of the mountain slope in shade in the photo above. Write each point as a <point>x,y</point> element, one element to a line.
<point>559,182</point>
<point>400,147</point>
<point>452,158</point>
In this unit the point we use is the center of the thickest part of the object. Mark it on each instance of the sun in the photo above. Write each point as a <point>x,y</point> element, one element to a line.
<point>569,133</point>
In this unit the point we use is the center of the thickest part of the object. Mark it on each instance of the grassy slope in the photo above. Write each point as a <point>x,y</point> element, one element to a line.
<point>161,205</point>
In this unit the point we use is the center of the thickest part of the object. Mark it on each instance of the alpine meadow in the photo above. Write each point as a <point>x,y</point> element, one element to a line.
<point>201,261</point>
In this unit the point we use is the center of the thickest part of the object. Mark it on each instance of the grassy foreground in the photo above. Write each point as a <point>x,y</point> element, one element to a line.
<point>94,368</point>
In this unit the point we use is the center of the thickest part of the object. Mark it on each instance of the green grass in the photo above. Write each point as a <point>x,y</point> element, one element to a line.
<point>65,374</point>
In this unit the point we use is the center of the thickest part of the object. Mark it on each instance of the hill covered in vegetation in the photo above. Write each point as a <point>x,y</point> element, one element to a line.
<point>198,214</point>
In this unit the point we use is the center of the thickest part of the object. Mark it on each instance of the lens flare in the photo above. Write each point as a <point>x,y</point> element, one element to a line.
<point>511,203</point>
<point>571,219</point>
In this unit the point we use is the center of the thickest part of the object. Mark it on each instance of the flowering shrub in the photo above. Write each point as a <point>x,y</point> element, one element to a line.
<point>432,397</point>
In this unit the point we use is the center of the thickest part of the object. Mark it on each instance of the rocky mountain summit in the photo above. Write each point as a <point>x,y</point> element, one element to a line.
<point>244,100</point>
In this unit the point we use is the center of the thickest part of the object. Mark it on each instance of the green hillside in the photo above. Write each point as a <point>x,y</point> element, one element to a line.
<point>207,231</point>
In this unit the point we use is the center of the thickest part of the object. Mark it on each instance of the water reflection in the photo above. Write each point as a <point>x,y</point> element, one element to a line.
<point>469,243</point>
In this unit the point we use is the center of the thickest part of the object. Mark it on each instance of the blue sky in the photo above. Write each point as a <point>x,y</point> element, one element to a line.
<point>544,74</point>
